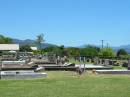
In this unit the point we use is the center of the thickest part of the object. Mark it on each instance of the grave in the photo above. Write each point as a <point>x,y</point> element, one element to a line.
<point>100,61</point>
<point>96,61</point>
<point>13,63</point>
<point>21,74</point>
<point>129,64</point>
<point>106,62</point>
<point>96,67</point>
<point>113,71</point>
<point>112,62</point>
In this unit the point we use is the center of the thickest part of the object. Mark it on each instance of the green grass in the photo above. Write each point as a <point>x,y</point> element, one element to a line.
<point>119,67</point>
<point>68,84</point>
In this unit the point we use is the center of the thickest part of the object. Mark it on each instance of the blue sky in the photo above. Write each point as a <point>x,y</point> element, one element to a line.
<point>67,22</point>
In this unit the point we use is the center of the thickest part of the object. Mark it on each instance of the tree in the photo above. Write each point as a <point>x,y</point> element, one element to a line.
<point>90,51</point>
<point>1,39</point>
<point>25,48</point>
<point>50,48</point>
<point>5,40</point>
<point>72,51</point>
<point>59,51</point>
<point>121,52</point>
<point>107,52</point>
<point>8,40</point>
<point>40,40</point>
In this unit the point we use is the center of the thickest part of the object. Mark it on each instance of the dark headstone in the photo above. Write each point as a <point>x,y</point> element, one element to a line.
<point>87,60</point>
<point>112,62</point>
<point>125,64</point>
<point>92,60</point>
<point>129,64</point>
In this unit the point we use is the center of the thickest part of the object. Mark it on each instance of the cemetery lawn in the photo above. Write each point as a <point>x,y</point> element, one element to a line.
<point>68,84</point>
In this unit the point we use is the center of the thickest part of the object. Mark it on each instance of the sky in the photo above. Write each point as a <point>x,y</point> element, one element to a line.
<point>67,22</point>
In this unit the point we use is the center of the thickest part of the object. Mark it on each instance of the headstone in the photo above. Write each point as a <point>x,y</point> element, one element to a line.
<point>106,62</point>
<point>103,61</point>
<point>125,64</point>
<point>96,61</point>
<point>100,61</point>
<point>84,59</point>
<point>87,60</point>
<point>58,60</point>
<point>80,59</point>
<point>90,60</point>
<point>110,62</point>
<point>129,64</point>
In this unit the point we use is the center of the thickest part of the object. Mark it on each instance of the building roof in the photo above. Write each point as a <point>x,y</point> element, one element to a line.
<point>34,48</point>
<point>9,47</point>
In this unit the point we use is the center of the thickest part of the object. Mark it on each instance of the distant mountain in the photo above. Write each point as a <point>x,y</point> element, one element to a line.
<point>23,42</point>
<point>31,42</point>
<point>126,47</point>
<point>85,45</point>
<point>44,45</point>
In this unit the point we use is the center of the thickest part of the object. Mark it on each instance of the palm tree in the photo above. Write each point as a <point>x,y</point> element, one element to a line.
<point>40,40</point>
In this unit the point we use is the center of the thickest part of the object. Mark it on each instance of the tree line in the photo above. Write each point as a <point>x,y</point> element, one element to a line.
<point>89,50</point>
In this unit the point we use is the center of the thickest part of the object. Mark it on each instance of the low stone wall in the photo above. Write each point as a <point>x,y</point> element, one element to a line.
<point>113,71</point>
<point>21,75</point>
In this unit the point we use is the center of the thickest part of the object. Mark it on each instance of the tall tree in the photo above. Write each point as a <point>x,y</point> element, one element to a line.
<point>121,52</point>
<point>25,48</point>
<point>90,51</point>
<point>107,52</point>
<point>40,40</point>
<point>73,51</point>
